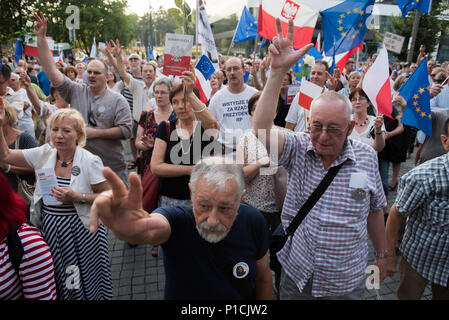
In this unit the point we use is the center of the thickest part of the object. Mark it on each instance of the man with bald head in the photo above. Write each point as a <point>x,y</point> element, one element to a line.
<point>230,105</point>
<point>106,113</point>
<point>326,257</point>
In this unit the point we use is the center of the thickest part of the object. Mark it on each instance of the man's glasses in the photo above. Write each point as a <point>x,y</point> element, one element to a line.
<point>235,68</point>
<point>160,93</point>
<point>332,131</point>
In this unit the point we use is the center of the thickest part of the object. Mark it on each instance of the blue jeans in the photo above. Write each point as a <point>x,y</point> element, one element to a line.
<point>384,167</point>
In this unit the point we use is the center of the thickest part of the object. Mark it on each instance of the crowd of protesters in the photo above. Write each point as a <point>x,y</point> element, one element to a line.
<point>268,155</point>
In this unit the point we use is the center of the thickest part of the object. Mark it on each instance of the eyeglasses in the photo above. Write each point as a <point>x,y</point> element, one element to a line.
<point>160,93</point>
<point>359,99</point>
<point>235,68</point>
<point>332,131</point>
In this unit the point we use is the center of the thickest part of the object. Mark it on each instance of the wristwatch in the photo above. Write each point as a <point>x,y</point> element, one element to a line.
<point>381,255</point>
<point>83,198</point>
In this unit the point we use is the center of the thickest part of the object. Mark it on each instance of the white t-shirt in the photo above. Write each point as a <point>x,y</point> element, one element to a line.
<point>231,112</point>
<point>297,114</point>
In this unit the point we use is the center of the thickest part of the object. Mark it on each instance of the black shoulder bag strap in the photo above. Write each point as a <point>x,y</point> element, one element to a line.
<point>15,248</point>
<point>314,197</point>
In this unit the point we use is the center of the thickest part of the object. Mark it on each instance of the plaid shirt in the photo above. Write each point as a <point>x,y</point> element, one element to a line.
<point>423,197</point>
<point>331,243</point>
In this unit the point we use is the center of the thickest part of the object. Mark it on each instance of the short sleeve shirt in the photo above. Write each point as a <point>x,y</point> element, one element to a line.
<point>196,276</point>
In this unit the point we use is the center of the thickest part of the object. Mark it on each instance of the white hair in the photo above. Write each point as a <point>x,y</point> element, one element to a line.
<point>332,96</point>
<point>217,171</point>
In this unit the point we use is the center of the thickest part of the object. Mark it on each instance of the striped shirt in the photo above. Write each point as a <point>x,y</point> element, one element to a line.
<point>36,278</point>
<point>331,243</point>
<point>423,198</point>
<point>128,95</point>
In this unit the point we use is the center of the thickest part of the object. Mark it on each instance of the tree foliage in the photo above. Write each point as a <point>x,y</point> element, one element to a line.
<point>429,27</point>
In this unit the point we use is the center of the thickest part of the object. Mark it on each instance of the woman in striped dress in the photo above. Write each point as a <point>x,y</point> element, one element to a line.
<point>81,259</point>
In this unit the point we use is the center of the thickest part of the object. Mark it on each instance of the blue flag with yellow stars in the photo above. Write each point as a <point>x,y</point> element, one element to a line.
<point>420,5</point>
<point>416,92</point>
<point>344,25</point>
<point>300,69</point>
<point>247,27</point>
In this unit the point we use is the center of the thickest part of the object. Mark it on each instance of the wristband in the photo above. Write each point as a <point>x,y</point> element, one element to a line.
<point>379,133</point>
<point>9,168</point>
<point>205,107</point>
<point>382,255</point>
<point>83,198</point>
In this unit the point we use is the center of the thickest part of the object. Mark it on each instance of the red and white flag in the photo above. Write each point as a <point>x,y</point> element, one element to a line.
<point>304,20</point>
<point>377,86</point>
<point>30,46</point>
<point>307,93</point>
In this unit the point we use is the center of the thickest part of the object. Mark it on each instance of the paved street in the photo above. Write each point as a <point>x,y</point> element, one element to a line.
<point>137,275</point>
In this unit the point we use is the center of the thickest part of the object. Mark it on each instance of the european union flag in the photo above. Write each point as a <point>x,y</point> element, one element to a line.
<point>150,52</point>
<point>344,25</point>
<point>247,27</point>
<point>205,66</point>
<point>416,92</point>
<point>420,5</point>
<point>19,49</point>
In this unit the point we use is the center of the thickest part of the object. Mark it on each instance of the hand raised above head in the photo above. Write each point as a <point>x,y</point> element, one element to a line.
<point>40,26</point>
<point>283,56</point>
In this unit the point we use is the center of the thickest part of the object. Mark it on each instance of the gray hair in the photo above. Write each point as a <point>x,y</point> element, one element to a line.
<point>217,171</point>
<point>163,80</point>
<point>332,96</point>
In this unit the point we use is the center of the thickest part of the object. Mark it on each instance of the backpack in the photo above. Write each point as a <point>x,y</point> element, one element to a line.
<point>15,248</point>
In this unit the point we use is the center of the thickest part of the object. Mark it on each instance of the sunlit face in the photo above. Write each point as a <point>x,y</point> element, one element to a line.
<point>135,64</point>
<point>63,135</point>
<point>329,127</point>
<point>178,106</point>
<point>80,67</point>
<point>148,73</point>
<point>161,94</point>
<point>359,103</point>
<point>318,74</point>
<point>354,80</point>
<point>214,211</point>
<point>214,83</point>
<point>96,77</point>
<point>234,71</point>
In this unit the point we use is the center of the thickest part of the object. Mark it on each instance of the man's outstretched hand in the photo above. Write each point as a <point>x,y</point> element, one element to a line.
<point>121,210</point>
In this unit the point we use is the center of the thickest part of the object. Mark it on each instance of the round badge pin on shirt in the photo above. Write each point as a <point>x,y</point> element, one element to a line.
<point>240,270</point>
<point>359,194</point>
<point>101,108</point>
<point>76,170</point>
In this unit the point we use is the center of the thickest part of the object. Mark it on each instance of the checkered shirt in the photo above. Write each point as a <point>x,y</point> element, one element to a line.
<point>423,198</point>
<point>331,242</point>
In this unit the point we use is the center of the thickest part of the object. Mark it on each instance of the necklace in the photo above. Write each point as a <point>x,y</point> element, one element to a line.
<point>190,143</point>
<point>362,124</point>
<point>64,164</point>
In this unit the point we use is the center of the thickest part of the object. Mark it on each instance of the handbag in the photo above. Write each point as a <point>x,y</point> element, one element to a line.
<point>150,184</point>
<point>24,189</point>
<point>279,237</point>
<point>140,161</point>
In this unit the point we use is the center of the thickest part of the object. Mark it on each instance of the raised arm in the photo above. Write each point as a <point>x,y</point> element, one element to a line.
<point>121,211</point>
<point>116,60</point>
<point>45,57</point>
<point>283,57</point>
<point>30,92</point>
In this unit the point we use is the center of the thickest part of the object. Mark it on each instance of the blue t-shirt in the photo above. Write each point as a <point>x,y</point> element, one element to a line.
<point>44,82</point>
<point>190,268</point>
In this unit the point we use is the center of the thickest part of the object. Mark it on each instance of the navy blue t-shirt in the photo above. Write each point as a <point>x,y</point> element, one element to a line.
<point>190,268</point>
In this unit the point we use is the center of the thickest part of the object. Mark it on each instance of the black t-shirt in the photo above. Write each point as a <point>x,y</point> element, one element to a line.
<point>185,152</point>
<point>282,113</point>
<point>191,270</point>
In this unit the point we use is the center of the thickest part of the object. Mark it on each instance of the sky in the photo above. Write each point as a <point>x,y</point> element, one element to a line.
<point>216,9</point>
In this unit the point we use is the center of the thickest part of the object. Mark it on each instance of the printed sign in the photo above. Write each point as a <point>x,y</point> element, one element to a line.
<point>177,53</point>
<point>393,42</point>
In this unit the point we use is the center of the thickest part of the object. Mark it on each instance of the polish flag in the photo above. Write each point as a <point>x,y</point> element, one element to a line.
<point>304,20</point>
<point>307,93</point>
<point>30,47</point>
<point>203,70</point>
<point>376,84</point>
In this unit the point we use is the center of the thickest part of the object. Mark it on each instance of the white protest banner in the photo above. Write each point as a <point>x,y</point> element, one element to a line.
<point>393,42</point>
<point>204,35</point>
<point>177,53</point>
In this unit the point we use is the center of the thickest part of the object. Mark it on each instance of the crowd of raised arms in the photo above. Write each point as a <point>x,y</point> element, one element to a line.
<point>114,144</point>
